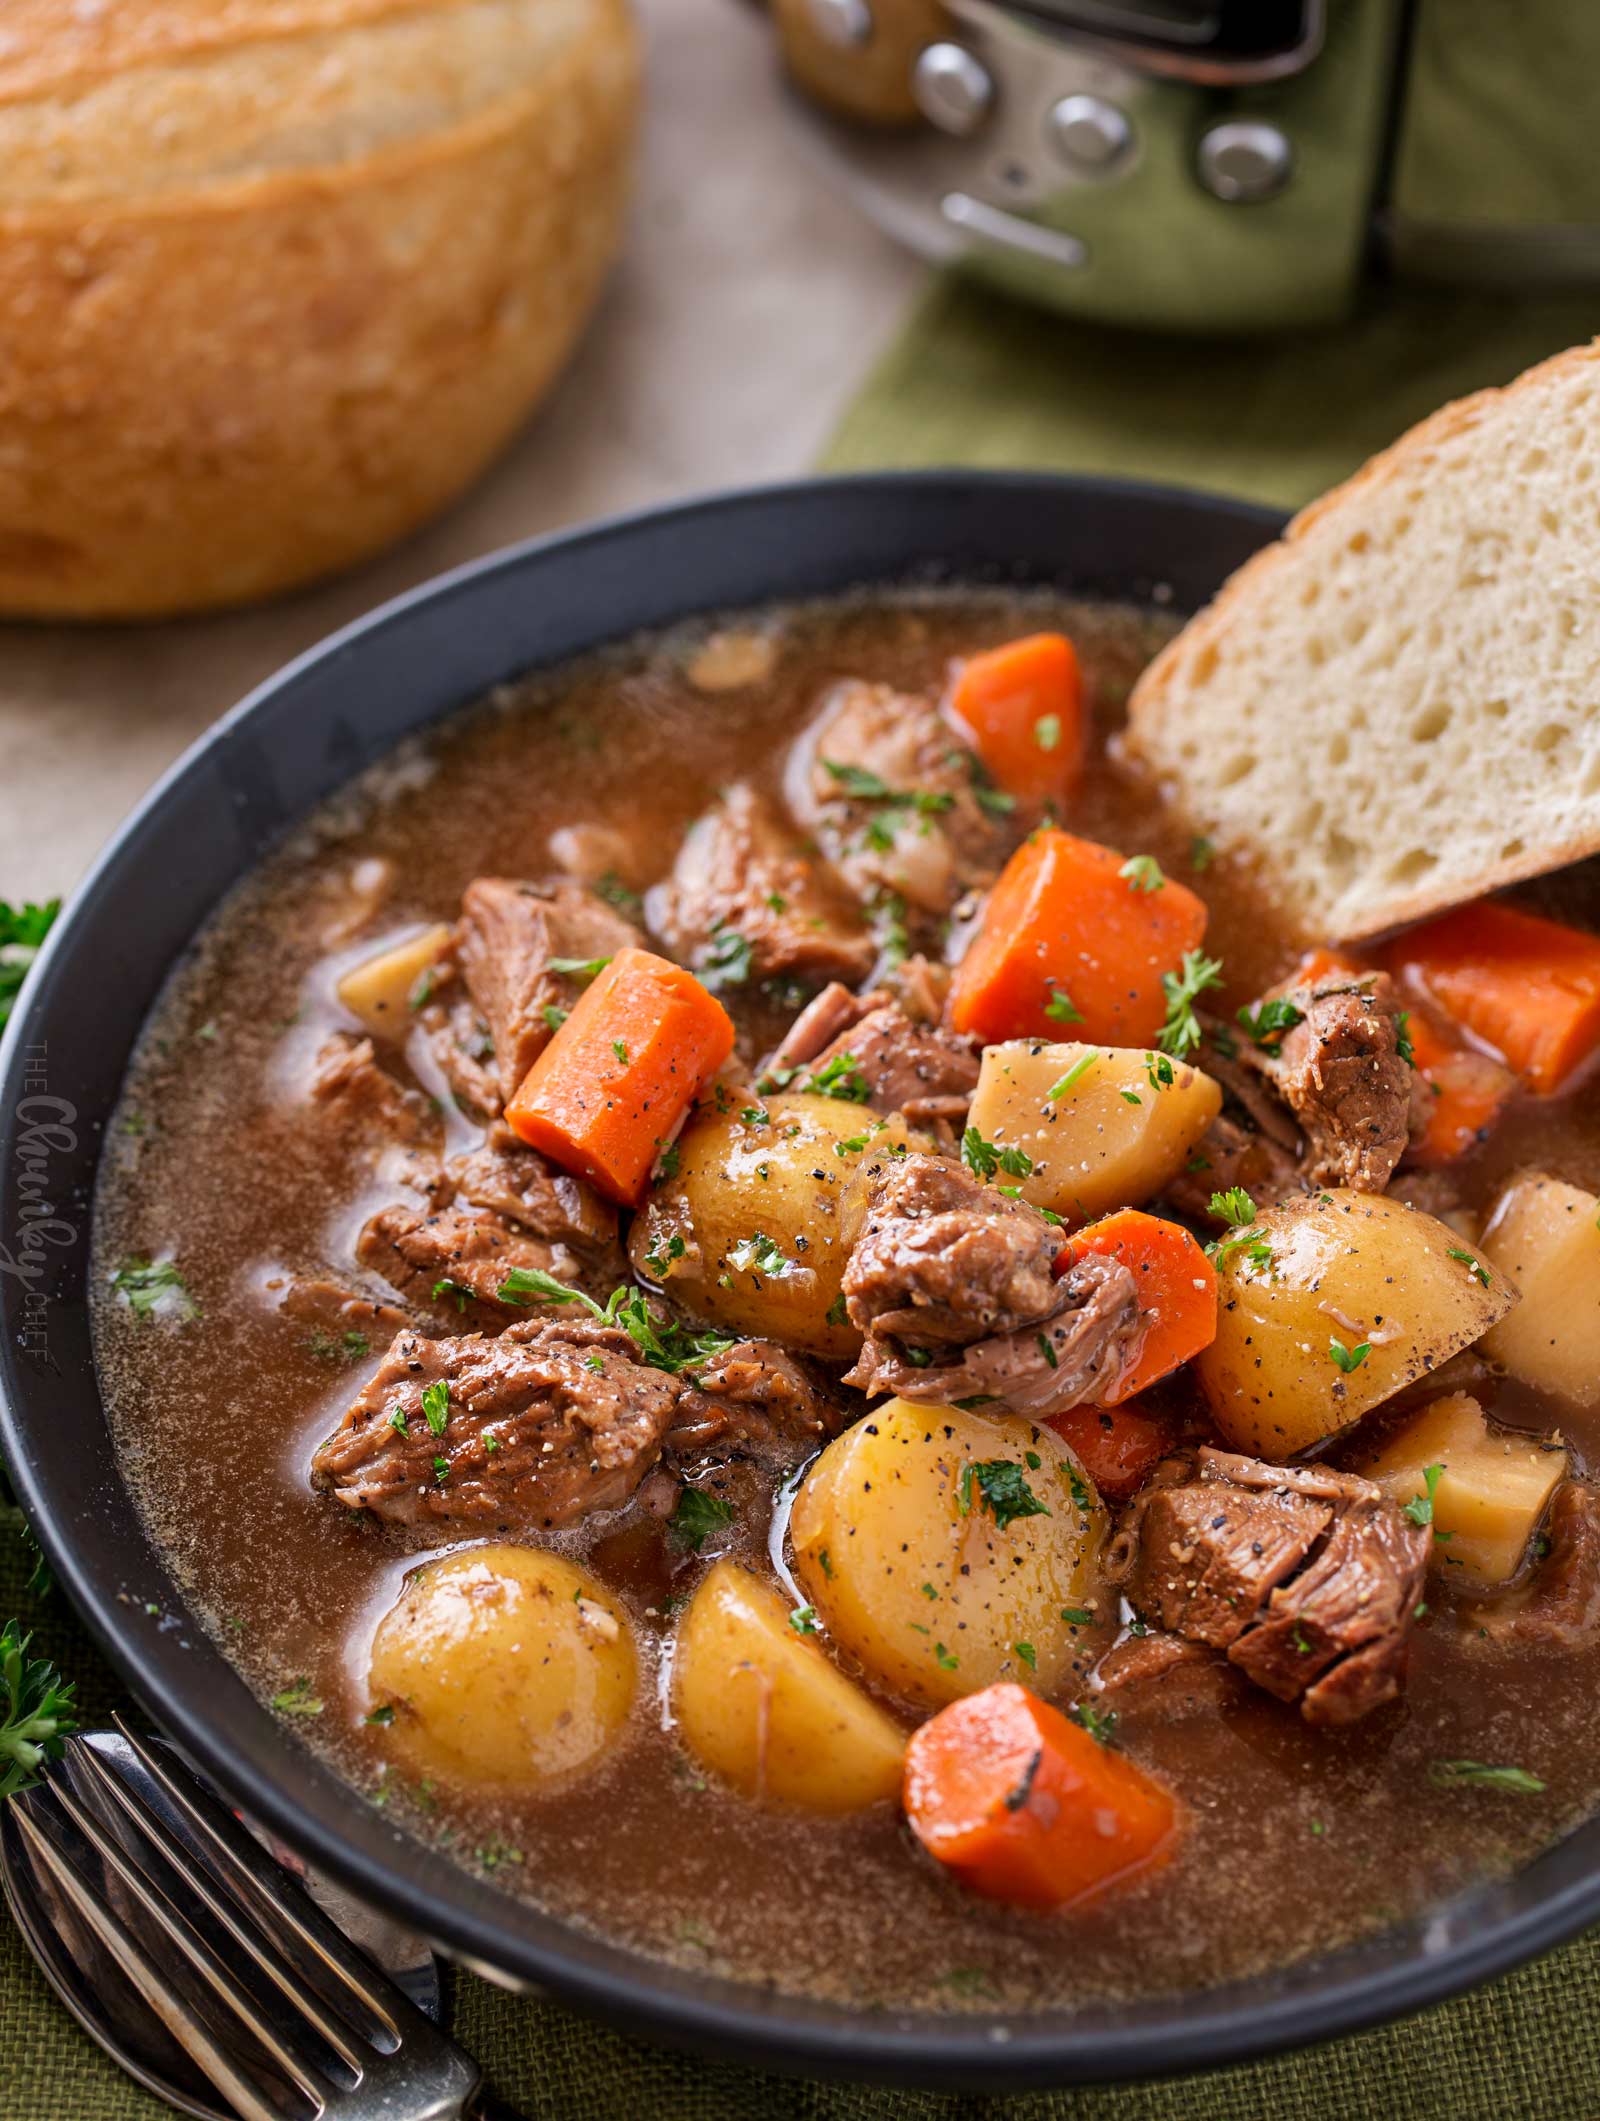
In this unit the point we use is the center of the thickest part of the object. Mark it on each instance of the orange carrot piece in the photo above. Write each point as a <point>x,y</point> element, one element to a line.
<point>1469,1091</point>
<point>1117,1446</point>
<point>1069,917</point>
<point>1026,1807</point>
<point>1177,1291</point>
<point>1023,707</point>
<point>1528,987</point>
<point>1318,965</point>
<point>608,1092</point>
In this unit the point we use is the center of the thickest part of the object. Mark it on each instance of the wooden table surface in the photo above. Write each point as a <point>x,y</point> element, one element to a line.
<point>749,305</point>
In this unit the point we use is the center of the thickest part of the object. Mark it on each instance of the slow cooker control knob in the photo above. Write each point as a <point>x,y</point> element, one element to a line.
<point>1244,160</point>
<point>1089,133</point>
<point>953,90</point>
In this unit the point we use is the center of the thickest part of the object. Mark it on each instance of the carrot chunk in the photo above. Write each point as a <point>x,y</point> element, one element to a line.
<point>1071,919</point>
<point>1177,1291</point>
<point>1528,987</point>
<point>1025,1807</point>
<point>1467,1091</point>
<point>1023,707</point>
<point>1117,1446</point>
<point>608,1091</point>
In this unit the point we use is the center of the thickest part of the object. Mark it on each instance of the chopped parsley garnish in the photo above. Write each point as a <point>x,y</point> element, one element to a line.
<point>1348,1359</point>
<point>620,1048</point>
<point>984,1158</point>
<point>995,802</point>
<point>436,1405</point>
<point>22,930</point>
<point>578,967</point>
<point>696,1515</point>
<point>616,893</point>
<point>398,1421</point>
<point>383,1714</point>
<point>1099,1723</point>
<point>1234,1206</point>
<point>1142,872</point>
<point>726,960</point>
<point>1455,1774</point>
<point>804,1620</point>
<point>853,1146</point>
<point>1201,854</point>
<point>756,1116</point>
<point>35,1708</point>
<point>1075,1073</point>
<point>554,1015</point>
<point>349,1347</point>
<point>858,782</point>
<point>1130,1097</point>
<point>441,1470</point>
<point>668,1161</point>
<point>660,1261</point>
<point>1002,1488</point>
<point>1265,1024</point>
<point>837,1314</point>
<point>297,1699</point>
<point>1478,1270</point>
<point>1076,1617</point>
<point>1060,1008</point>
<point>1042,1340</point>
<point>842,1078</point>
<point>152,1288</point>
<point>452,1292</point>
<point>1029,1656</point>
<point>1158,1071</point>
<point>1049,1214</point>
<point>1047,731</point>
<point>944,1659</point>
<point>662,1343</point>
<point>1402,1039</point>
<point>760,1254</point>
<point>1420,1508</point>
<point>1181,1033</point>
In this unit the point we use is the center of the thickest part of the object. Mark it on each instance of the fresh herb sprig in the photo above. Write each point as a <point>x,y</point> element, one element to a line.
<point>36,1711</point>
<point>22,930</point>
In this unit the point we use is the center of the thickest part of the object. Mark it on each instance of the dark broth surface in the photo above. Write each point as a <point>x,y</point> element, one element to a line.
<point>1297,1839</point>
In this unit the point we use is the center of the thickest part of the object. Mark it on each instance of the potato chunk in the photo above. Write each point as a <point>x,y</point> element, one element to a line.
<point>754,1231</point>
<point>1353,1269</point>
<point>1489,1493</point>
<point>1122,1129</point>
<point>760,1705</point>
<point>944,1548</point>
<point>506,1667</point>
<point>380,990</point>
<point>1546,1236</point>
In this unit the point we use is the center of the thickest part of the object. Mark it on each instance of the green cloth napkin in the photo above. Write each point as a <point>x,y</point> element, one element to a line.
<point>976,381</point>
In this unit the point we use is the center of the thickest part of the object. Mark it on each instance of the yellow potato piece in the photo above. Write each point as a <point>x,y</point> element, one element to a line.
<point>1353,1267</point>
<point>1491,1491</point>
<point>910,1570</point>
<point>759,1704</point>
<point>1123,1128</point>
<point>1546,1236</point>
<point>763,1213</point>
<point>505,1667</point>
<point>380,991</point>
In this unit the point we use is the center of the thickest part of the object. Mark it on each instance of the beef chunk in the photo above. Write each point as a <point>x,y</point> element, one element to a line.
<point>1340,1072</point>
<point>543,1425</point>
<point>754,1401</point>
<point>898,801</point>
<point>1307,1578</point>
<point>954,1286</point>
<point>1559,1607</point>
<point>365,1102</point>
<point>869,1048</point>
<point>511,1180</point>
<point>1165,1679</point>
<point>463,1046</point>
<point>739,881</point>
<point>463,1255</point>
<point>343,1327</point>
<point>508,936</point>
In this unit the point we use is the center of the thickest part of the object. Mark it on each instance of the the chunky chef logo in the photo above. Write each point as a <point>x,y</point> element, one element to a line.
<point>46,1129</point>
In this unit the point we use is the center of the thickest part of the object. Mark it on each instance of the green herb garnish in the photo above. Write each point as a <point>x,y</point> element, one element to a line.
<point>1181,1032</point>
<point>696,1515</point>
<point>35,1707</point>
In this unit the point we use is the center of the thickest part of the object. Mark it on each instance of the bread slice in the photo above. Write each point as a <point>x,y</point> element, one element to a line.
<point>1397,706</point>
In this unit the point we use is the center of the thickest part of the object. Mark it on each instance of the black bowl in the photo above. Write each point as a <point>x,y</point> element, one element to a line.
<point>291,743</point>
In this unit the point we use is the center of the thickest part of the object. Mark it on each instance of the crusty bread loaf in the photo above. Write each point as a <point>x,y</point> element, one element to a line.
<point>278,277</point>
<point>1397,706</point>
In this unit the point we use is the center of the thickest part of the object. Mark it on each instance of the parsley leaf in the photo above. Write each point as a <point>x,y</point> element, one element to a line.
<point>759,1254</point>
<point>297,1699</point>
<point>35,1709</point>
<point>1454,1774</point>
<point>696,1515</point>
<point>1075,1073</point>
<point>1099,1723</point>
<point>842,1078</point>
<point>1348,1359</point>
<point>155,1288</point>
<point>1201,854</point>
<point>1060,1008</point>
<point>726,960</point>
<point>1047,731</point>
<point>436,1405</point>
<point>983,1158</point>
<point>1002,1488</point>
<point>1478,1270</point>
<point>1266,1023</point>
<point>1142,872</point>
<point>578,967</point>
<point>1235,1207</point>
<point>1402,1039</point>
<point>1420,1508</point>
<point>1181,1033</point>
<point>22,930</point>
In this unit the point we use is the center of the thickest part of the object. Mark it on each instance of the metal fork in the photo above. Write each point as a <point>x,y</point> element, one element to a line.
<point>267,1997</point>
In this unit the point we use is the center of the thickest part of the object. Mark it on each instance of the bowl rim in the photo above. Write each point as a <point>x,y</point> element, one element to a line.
<point>314,1810</point>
